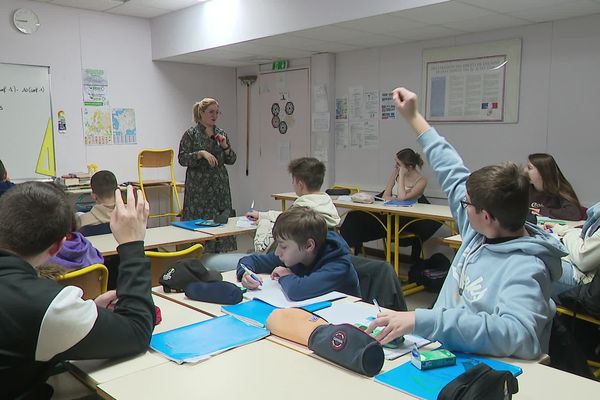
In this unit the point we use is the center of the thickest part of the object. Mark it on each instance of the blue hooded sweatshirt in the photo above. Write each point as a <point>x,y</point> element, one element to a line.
<point>496,298</point>
<point>331,270</point>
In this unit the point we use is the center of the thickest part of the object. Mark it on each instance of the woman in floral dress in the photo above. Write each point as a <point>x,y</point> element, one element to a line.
<point>205,150</point>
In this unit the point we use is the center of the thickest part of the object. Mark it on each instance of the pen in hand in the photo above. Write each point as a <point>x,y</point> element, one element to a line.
<point>377,305</point>
<point>252,274</point>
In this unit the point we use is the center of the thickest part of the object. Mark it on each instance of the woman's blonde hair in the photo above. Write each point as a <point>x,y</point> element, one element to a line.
<point>201,107</point>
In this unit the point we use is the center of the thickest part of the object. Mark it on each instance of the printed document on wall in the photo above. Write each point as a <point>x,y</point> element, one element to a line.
<point>342,138</point>
<point>371,98</point>
<point>355,102</point>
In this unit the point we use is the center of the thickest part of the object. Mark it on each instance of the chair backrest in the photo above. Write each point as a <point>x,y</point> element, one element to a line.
<point>93,230</point>
<point>378,280</point>
<point>160,158</point>
<point>160,260</point>
<point>93,280</point>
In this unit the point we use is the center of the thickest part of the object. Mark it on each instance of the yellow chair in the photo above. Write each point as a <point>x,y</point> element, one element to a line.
<point>93,280</point>
<point>159,158</point>
<point>159,260</point>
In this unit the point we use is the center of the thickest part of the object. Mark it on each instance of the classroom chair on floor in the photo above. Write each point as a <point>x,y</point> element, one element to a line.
<point>160,158</point>
<point>378,280</point>
<point>93,280</point>
<point>160,260</point>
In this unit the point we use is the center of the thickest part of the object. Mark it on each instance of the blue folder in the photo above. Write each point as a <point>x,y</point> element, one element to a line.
<point>257,311</point>
<point>193,225</point>
<point>400,203</point>
<point>428,384</point>
<point>199,341</point>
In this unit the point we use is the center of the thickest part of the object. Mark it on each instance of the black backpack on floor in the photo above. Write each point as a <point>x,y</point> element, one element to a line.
<point>430,272</point>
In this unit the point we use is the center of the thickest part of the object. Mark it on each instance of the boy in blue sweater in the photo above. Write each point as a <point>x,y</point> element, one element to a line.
<point>496,298</point>
<point>309,261</point>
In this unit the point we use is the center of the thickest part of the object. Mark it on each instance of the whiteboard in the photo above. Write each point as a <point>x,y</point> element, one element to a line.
<point>25,109</point>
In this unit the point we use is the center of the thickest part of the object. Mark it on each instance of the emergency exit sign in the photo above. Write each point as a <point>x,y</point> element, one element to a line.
<point>280,64</point>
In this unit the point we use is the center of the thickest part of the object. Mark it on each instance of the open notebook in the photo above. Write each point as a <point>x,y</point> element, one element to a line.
<point>196,342</point>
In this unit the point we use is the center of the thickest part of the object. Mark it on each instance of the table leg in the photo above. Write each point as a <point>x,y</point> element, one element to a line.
<point>388,248</point>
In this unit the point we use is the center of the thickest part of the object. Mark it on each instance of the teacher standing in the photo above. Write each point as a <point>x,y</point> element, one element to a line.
<point>205,150</point>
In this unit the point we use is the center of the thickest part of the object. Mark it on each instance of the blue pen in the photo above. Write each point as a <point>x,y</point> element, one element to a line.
<point>252,275</point>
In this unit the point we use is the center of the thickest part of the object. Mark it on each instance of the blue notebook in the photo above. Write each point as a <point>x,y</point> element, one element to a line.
<point>199,341</point>
<point>257,311</point>
<point>195,225</point>
<point>429,383</point>
<point>400,203</point>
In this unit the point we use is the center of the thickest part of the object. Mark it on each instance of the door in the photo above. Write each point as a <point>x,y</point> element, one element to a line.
<point>284,131</point>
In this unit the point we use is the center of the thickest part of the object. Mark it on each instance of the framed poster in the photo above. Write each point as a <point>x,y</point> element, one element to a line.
<point>474,83</point>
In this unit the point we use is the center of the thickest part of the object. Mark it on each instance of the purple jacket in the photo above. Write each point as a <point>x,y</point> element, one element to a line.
<point>77,253</point>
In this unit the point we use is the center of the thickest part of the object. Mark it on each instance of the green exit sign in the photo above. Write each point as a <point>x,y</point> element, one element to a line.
<point>280,64</point>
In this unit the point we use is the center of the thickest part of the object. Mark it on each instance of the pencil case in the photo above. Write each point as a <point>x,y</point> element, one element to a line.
<point>293,324</point>
<point>349,347</point>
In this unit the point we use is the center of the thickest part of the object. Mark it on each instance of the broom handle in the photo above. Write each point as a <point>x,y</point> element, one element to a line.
<point>247,127</point>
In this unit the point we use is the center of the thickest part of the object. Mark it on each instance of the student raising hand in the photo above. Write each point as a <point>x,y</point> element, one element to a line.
<point>128,221</point>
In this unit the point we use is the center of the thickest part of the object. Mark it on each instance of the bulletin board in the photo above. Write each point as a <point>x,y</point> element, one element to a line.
<point>472,83</point>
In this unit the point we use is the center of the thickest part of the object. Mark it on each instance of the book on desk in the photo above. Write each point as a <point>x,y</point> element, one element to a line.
<point>200,341</point>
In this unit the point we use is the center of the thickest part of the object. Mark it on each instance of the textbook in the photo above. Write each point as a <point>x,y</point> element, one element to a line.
<point>400,203</point>
<point>196,224</point>
<point>199,341</point>
<point>256,311</point>
<point>427,384</point>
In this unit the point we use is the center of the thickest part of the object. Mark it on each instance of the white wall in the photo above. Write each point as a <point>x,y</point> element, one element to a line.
<point>557,111</point>
<point>161,93</point>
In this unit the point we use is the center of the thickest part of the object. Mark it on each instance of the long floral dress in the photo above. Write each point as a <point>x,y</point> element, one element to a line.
<point>207,192</point>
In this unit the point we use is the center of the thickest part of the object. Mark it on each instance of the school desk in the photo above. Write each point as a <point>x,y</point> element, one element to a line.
<point>155,237</point>
<point>455,241</point>
<point>94,372</point>
<point>229,229</point>
<point>265,370</point>
<point>418,211</point>
<point>211,308</point>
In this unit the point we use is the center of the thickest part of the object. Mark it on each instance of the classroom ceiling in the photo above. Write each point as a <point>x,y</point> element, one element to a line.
<point>451,18</point>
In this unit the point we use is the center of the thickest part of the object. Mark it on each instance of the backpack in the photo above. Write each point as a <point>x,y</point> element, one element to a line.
<point>481,382</point>
<point>430,272</point>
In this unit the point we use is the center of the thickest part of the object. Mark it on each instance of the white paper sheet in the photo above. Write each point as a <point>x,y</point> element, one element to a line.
<point>271,292</point>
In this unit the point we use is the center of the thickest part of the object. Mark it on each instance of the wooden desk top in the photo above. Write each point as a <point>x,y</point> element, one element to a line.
<point>94,372</point>
<point>440,212</point>
<point>155,237</point>
<point>279,371</point>
<point>229,229</point>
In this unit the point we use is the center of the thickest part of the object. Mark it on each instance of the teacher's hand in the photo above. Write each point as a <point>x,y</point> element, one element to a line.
<point>212,160</point>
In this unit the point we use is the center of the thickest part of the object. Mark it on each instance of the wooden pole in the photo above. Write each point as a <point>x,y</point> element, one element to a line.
<point>247,81</point>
